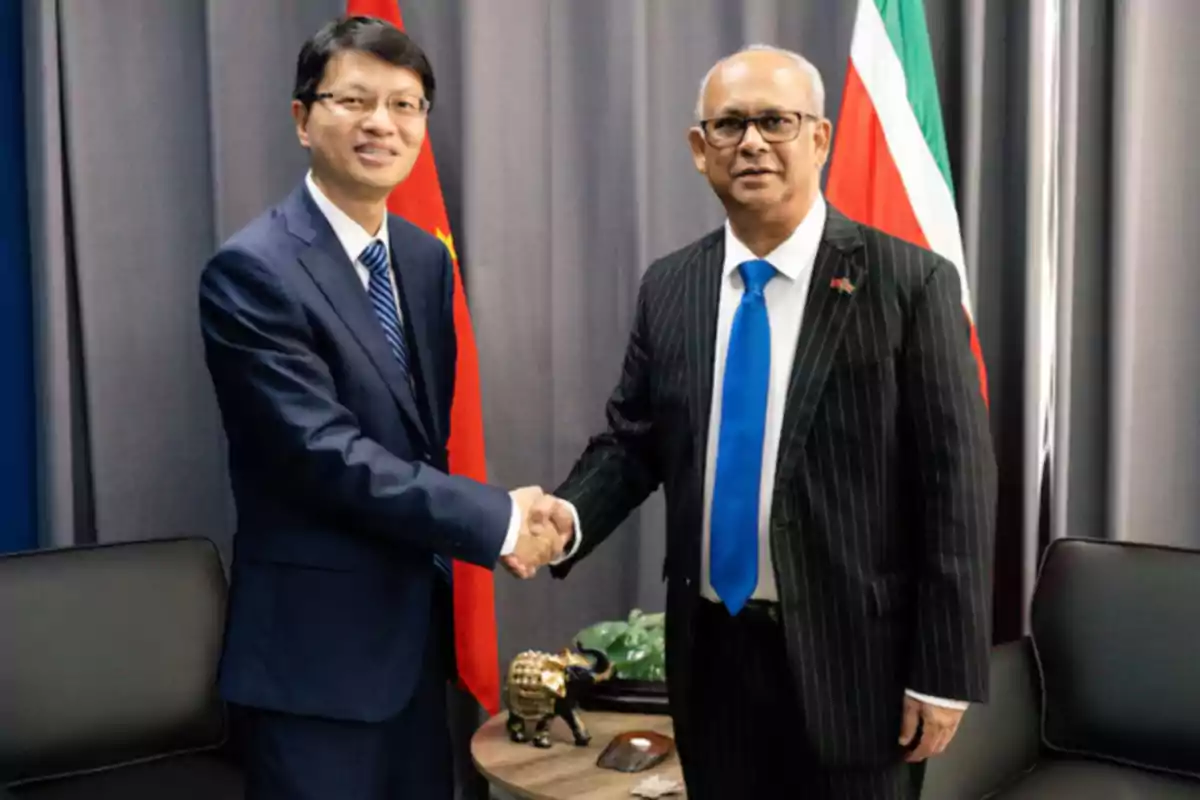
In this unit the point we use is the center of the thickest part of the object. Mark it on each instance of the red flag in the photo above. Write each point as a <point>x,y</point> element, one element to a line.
<point>419,200</point>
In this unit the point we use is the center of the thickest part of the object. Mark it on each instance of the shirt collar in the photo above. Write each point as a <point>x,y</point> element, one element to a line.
<point>793,257</point>
<point>352,236</point>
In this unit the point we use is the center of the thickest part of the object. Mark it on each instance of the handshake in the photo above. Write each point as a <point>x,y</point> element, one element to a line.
<point>547,527</point>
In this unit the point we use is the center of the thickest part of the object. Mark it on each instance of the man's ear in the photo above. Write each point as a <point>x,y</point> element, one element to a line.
<point>699,154</point>
<point>822,136</point>
<point>300,117</point>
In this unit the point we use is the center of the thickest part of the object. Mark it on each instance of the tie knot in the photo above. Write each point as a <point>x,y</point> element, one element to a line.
<point>755,274</point>
<point>374,257</point>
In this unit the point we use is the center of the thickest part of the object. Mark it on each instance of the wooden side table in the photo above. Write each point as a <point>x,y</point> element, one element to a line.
<point>564,771</point>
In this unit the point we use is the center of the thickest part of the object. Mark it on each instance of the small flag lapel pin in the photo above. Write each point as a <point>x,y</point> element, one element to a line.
<point>843,285</point>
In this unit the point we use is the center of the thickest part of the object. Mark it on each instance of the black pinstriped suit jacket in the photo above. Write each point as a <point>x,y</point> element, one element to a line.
<point>882,518</point>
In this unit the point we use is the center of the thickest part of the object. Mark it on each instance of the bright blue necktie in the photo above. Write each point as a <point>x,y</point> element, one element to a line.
<point>733,543</point>
<point>383,300</point>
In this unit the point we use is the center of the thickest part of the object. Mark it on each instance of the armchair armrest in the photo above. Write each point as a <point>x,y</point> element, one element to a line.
<point>997,741</point>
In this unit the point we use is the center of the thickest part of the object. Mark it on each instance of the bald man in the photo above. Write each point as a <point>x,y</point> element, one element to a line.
<point>802,387</point>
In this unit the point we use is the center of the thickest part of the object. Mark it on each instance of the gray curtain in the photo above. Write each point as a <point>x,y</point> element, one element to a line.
<point>1118,248</point>
<point>1155,420</point>
<point>157,129</point>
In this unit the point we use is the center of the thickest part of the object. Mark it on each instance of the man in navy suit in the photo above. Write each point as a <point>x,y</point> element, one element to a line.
<point>330,340</point>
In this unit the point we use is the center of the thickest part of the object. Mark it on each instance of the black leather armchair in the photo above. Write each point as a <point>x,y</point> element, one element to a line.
<point>1102,701</point>
<point>108,659</point>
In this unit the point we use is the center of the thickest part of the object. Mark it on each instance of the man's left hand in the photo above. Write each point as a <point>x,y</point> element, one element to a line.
<point>939,724</point>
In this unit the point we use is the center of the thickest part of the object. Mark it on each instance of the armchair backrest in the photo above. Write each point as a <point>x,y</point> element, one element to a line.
<point>108,655</point>
<point>1116,634</point>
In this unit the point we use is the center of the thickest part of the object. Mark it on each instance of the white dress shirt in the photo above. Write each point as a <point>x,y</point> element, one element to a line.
<point>785,295</point>
<point>354,238</point>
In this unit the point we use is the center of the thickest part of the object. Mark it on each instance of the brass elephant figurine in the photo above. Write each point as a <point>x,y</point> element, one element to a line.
<point>542,686</point>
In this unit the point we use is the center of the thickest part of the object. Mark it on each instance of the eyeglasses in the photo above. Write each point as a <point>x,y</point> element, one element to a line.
<point>774,127</point>
<point>358,106</point>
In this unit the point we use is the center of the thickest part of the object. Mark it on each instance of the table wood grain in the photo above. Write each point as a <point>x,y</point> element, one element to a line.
<point>564,771</point>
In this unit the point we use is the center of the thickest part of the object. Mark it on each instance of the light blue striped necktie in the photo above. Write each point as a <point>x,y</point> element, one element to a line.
<point>733,535</point>
<point>383,300</point>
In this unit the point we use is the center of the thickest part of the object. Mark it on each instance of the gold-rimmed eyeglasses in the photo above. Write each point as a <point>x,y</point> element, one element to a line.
<point>358,105</point>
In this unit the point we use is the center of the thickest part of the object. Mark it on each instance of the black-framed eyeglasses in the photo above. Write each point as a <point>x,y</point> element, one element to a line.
<point>774,127</point>
<point>357,105</point>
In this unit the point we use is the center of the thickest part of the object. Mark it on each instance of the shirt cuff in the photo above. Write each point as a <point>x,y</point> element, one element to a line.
<point>575,540</point>
<point>937,701</point>
<point>514,530</point>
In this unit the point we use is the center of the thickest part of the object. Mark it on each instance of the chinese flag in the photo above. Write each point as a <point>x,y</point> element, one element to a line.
<point>419,200</point>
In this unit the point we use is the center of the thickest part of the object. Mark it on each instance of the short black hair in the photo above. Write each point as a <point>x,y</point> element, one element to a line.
<point>364,34</point>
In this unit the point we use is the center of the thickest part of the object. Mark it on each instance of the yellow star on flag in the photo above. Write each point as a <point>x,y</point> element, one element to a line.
<point>448,240</point>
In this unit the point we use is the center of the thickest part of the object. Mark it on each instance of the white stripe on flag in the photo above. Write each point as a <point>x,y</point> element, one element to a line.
<point>882,74</point>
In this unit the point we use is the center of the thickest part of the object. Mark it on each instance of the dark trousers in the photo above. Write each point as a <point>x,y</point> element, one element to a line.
<point>745,737</point>
<point>289,757</point>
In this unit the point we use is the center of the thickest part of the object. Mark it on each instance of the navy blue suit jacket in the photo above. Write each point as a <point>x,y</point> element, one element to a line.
<point>338,466</point>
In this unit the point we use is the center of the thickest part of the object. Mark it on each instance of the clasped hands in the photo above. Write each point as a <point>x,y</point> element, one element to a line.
<point>547,527</point>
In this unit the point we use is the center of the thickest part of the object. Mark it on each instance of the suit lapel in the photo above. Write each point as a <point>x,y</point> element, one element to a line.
<point>331,270</point>
<point>415,308</point>
<point>701,302</point>
<point>837,282</point>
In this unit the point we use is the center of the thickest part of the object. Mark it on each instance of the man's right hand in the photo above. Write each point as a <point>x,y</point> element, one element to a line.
<point>531,550</point>
<point>552,517</point>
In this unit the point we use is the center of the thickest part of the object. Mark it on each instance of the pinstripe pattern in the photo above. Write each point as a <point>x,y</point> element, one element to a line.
<point>746,742</point>
<point>881,525</point>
